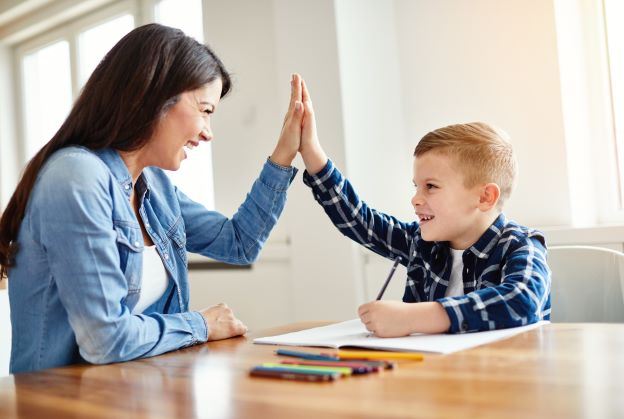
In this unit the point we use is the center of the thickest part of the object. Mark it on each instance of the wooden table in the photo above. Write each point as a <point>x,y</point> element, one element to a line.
<point>557,371</point>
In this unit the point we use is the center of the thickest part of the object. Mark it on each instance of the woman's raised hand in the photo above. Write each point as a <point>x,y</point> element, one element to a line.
<point>290,137</point>
<point>311,151</point>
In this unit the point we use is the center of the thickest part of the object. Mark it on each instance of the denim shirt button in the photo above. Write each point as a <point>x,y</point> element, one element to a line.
<point>136,244</point>
<point>166,255</point>
<point>127,186</point>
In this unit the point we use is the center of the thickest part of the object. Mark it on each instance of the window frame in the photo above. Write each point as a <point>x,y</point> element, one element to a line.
<point>142,11</point>
<point>67,32</point>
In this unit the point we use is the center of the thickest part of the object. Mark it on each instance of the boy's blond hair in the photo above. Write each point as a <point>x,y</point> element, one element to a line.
<point>483,153</point>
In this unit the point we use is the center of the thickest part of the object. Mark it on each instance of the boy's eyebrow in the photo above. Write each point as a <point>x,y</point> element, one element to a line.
<point>426,180</point>
<point>203,102</point>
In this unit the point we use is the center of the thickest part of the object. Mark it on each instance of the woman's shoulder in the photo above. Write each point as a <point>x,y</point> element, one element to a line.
<point>75,164</point>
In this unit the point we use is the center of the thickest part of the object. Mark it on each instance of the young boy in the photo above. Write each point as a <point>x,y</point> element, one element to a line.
<point>469,268</point>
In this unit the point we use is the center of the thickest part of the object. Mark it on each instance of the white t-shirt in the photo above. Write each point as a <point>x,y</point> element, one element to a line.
<point>456,282</point>
<point>155,279</point>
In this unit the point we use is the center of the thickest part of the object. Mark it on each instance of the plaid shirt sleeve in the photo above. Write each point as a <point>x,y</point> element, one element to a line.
<point>379,232</point>
<point>522,297</point>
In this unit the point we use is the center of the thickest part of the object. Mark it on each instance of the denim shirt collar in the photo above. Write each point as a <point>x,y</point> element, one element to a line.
<point>118,168</point>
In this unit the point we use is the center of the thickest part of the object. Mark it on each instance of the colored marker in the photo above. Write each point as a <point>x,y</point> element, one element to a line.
<point>306,355</point>
<point>310,377</point>
<point>413,356</point>
<point>385,364</point>
<point>305,368</point>
<point>356,368</point>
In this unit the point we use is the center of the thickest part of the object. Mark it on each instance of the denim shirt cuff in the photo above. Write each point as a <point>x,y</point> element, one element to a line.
<point>277,177</point>
<point>198,326</point>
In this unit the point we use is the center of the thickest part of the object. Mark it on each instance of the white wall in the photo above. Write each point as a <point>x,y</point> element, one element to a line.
<point>491,61</point>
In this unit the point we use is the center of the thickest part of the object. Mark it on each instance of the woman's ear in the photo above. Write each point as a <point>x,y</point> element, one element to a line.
<point>490,193</point>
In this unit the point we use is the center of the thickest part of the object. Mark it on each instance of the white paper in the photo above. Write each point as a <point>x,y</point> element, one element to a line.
<point>353,333</point>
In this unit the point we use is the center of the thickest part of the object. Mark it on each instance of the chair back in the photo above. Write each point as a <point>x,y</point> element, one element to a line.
<point>587,284</point>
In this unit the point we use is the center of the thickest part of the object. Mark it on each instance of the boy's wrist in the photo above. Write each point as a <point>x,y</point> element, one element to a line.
<point>314,159</point>
<point>428,317</point>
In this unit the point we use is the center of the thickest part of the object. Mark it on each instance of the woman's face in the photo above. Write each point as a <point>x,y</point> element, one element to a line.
<point>183,127</point>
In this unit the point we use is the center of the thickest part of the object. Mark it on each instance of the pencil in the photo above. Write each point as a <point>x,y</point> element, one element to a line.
<point>385,285</point>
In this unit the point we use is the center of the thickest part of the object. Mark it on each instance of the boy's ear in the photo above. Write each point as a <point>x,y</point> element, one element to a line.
<point>490,193</point>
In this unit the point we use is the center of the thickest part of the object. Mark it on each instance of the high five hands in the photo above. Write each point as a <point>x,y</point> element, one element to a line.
<point>299,131</point>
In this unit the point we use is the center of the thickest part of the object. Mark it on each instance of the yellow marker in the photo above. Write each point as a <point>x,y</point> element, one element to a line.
<point>380,355</point>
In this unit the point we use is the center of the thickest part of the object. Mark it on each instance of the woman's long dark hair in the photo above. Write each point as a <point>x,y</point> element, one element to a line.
<point>119,106</point>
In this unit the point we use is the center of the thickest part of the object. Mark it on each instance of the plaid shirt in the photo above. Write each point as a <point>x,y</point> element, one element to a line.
<point>506,278</point>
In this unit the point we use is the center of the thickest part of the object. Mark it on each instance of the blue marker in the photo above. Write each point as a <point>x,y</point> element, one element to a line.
<point>305,355</point>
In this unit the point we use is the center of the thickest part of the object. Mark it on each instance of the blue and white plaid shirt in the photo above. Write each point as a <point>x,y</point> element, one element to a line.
<point>506,278</point>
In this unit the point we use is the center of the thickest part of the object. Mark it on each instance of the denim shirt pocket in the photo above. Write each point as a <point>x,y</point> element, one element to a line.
<point>130,247</point>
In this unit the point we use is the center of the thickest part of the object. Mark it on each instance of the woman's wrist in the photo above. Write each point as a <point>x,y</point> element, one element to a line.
<point>282,157</point>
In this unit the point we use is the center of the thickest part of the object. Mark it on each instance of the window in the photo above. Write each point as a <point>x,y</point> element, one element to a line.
<point>614,32</point>
<point>54,67</point>
<point>591,65</point>
<point>47,94</point>
<point>94,43</point>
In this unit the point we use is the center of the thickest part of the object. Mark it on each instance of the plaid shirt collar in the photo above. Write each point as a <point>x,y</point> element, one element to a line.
<point>486,243</point>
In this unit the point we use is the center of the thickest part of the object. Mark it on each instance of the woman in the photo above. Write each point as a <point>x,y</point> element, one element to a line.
<point>95,235</point>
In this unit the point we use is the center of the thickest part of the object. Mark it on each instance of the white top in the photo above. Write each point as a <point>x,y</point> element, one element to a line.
<point>456,282</point>
<point>155,279</point>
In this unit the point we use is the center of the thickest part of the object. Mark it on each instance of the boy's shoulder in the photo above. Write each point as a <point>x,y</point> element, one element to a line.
<point>512,235</point>
<point>507,235</point>
<point>511,228</point>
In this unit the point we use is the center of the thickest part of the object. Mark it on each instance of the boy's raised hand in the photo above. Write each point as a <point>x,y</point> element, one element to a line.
<point>289,141</point>
<point>311,151</point>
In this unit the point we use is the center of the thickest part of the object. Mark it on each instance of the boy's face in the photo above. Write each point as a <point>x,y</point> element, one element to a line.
<point>446,209</point>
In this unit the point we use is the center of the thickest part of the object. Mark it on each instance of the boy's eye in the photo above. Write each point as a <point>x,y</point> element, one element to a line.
<point>431,186</point>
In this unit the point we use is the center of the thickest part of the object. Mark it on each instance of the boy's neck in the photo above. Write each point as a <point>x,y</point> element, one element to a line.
<point>476,230</point>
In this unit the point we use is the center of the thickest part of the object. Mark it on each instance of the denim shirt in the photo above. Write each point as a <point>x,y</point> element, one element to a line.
<point>79,263</point>
<point>506,279</point>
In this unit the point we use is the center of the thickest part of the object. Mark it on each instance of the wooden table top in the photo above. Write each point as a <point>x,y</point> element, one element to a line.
<point>556,371</point>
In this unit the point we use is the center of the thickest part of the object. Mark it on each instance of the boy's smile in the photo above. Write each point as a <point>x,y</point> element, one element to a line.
<point>447,210</point>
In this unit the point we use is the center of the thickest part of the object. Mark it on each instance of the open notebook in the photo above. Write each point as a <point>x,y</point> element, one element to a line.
<point>353,333</point>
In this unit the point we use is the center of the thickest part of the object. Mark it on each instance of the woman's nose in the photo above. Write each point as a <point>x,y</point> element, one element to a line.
<point>205,134</point>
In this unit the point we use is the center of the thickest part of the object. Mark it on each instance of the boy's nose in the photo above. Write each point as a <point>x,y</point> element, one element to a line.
<point>416,200</point>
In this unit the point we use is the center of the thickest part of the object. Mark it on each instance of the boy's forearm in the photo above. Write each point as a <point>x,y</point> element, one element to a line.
<point>429,317</point>
<point>314,159</point>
